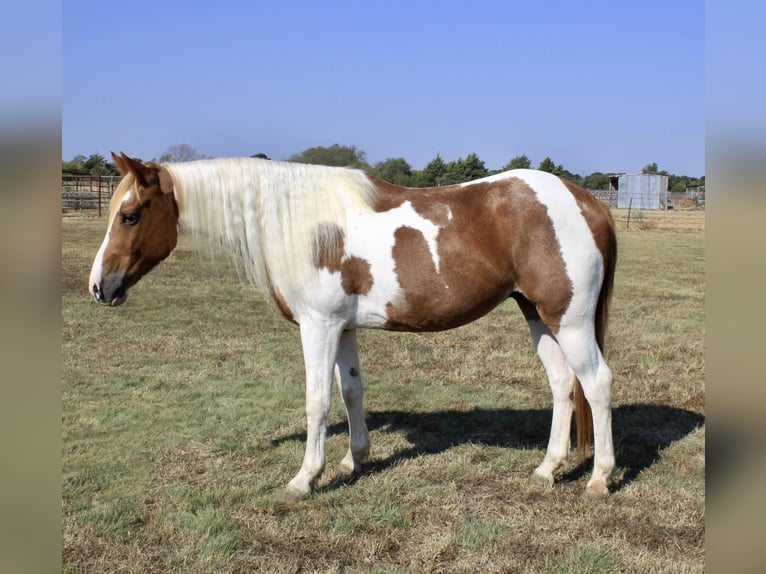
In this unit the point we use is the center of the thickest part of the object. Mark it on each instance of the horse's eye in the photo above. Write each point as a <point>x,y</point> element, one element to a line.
<point>129,218</point>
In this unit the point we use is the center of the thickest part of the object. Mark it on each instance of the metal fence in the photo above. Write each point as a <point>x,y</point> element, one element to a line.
<point>694,199</point>
<point>87,194</point>
<point>608,196</point>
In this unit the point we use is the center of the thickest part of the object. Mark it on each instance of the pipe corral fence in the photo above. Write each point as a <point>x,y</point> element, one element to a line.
<point>87,194</point>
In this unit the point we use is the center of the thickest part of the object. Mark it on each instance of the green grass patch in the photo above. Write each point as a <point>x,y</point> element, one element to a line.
<point>183,419</point>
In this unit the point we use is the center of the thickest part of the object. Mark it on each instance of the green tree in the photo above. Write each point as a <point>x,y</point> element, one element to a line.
<point>650,168</point>
<point>596,180</point>
<point>683,182</point>
<point>335,155</point>
<point>260,156</point>
<point>94,164</point>
<point>462,170</point>
<point>566,174</point>
<point>76,165</point>
<point>433,173</point>
<point>519,162</point>
<point>548,165</point>
<point>473,167</point>
<point>394,170</point>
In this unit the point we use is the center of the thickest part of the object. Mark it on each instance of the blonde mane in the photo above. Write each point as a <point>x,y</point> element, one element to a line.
<point>269,215</point>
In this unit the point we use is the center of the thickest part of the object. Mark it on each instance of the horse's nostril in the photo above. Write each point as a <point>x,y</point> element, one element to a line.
<point>96,291</point>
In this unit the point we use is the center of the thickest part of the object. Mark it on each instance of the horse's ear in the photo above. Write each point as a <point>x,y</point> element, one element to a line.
<point>141,172</point>
<point>120,164</point>
<point>166,180</point>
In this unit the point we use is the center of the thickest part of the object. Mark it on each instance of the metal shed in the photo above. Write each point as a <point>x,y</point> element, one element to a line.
<point>642,191</point>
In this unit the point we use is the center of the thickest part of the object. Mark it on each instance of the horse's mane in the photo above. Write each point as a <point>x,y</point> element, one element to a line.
<point>269,215</point>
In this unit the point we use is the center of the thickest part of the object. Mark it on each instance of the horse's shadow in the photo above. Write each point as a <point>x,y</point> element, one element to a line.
<point>641,432</point>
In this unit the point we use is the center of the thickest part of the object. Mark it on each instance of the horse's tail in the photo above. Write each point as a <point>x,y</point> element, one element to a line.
<point>583,414</point>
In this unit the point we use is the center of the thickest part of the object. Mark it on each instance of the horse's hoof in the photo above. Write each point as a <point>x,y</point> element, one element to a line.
<point>349,467</point>
<point>540,480</point>
<point>350,470</point>
<point>596,491</point>
<point>292,496</point>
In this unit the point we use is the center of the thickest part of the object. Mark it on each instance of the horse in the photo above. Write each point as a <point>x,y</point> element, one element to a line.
<point>336,249</point>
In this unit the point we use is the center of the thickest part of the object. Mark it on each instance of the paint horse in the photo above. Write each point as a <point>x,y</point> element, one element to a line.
<point>337,249</point>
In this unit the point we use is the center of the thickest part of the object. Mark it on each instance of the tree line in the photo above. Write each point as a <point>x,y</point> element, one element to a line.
<point>395,170</point>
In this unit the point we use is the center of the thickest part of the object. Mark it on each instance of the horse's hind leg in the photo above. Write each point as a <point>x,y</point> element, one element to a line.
<point>561,379</point>
<point>578,342</point>
<point>349,379</point>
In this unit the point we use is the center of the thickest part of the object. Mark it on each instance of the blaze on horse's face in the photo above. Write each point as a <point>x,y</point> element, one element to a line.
<point>142,230</point>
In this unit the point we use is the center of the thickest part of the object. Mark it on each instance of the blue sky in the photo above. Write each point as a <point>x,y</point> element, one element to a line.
<point>597,86</point>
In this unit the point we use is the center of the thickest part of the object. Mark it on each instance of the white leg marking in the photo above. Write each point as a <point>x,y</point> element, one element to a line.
<point>576,335</point>
<point>349,379</point>
<point>582,352</point>
<point>561,379</point>
<point>320,339</point>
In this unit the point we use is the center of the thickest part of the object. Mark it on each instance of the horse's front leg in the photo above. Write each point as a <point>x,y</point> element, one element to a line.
<point>352,390</point>
<point>320,341</point>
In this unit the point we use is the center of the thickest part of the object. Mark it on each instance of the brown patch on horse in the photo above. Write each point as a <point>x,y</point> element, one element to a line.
<point>389,196</point>
<point>499,237</point>
<point>329,246</point>
<point>356,277</point>
<point>438,213</point>
<point>542,276</point>
<point>414,267</point>
<point>329,250</point>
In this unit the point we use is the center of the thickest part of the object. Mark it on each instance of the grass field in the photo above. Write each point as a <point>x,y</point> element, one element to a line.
<point>183,419</point>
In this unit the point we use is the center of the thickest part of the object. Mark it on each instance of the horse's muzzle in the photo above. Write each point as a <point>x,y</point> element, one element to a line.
<point>110,291</point>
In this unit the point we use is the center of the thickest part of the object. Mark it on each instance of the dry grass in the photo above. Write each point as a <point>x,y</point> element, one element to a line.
<point>183,420</point>
<point>673,221</point>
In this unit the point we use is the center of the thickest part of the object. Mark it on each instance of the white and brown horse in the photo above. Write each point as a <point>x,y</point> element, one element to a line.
<point>337,249</point>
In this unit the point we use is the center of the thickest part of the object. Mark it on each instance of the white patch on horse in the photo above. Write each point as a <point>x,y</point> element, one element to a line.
<point>408,217</point>
<point>371,236</point>
<point>493,178</point>
<point>578,248</point>
<point>97,269</point>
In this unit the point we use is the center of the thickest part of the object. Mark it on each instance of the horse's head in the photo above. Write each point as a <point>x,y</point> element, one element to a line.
<point>142,230</point>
